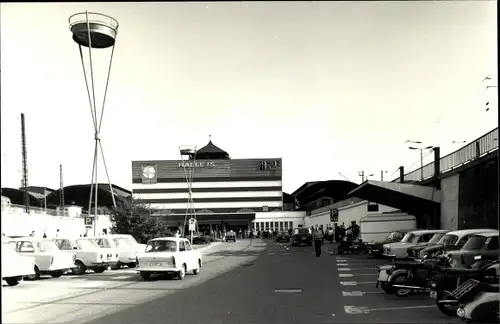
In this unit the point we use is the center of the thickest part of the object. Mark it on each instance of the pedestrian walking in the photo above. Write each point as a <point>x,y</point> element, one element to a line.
<point>318,239</point>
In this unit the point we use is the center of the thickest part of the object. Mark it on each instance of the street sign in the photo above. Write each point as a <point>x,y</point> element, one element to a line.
<point>192,224</point>
<point>334,215</point>
<point>88,222</point>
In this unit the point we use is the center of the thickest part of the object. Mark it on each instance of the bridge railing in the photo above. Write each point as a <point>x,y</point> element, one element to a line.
<point>472,151</point>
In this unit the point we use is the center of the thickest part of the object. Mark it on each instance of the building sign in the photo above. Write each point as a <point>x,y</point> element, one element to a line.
<point>269,165</point>
<point>197,164</point>
<point>334,215</point>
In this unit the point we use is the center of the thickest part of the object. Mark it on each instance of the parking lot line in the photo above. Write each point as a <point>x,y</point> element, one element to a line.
<point>355,283</point>
<point>344,269</point>
<point>359,293</point>
<point>345,275</point>
<point>401,308</point>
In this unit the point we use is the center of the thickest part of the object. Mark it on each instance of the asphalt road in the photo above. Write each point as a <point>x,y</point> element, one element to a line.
<point>247,282</point>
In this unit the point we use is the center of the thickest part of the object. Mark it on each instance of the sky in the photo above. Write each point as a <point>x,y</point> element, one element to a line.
<point>331,87</point>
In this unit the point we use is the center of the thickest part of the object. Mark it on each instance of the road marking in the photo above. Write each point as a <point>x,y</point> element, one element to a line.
<point>271,253</point>
<point>358,269</point>
<point>401,308</point>
<point>286,253</point>
<point>365,274</point>
<point>289,291</point>
<point>344,269</point>
<point>341,260</point>
<point>345,275</point>
<point>359,293</point>
<point>356,310</point>
<point>355,283</point>
<point>121,277</point>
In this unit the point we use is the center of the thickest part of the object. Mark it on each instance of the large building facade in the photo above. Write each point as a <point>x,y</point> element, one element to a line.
<point>224,190</point>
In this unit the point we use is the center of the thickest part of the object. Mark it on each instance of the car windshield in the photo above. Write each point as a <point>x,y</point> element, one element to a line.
<point>87,244</point>
<point>302,231</point>
<point>393,236</point>
<point>436,237</point>
<point>103,242</point>
<point>409,237</point>
<point>475,243</point>
<point>46,246</point>
<point>448,240</point>
<point>161,246</point>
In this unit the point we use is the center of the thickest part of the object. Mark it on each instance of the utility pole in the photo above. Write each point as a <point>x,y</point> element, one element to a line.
<point>382,175</point>
<point>363,176</point>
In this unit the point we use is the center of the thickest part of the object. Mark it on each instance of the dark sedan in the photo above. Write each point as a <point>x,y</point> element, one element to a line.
<point>484,245</point>
<point>302,235</point>
<point>283,237</point>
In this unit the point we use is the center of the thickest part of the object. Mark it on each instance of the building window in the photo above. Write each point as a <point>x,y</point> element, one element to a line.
<point>281,226</point>
<point>286,226</point>
<point>290,224</point>
<point>372,207</point>
<point>267,226</point>
<point>276,226</point>
<point>325,202</point>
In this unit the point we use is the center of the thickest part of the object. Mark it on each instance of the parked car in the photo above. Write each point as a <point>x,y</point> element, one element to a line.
<point>127,246</point>
<point>451,241</point>
<point>169,255</point>
<point>481,244</point>
<point>48,258</point>
<point>283,237</point>
<point>302,235</point>
<point>411,251</point>
<point>399,249</point>
<point>230,236</point>
<point>89,255</point>
<point>14,265</point>
<point>201,239</point>
<point>376,249</point>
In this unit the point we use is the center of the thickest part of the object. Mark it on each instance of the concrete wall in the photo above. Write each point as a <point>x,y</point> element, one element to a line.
<point>347,214</point>
<point>450,188</point>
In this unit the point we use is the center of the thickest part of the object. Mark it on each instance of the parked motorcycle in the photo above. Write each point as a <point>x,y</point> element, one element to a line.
<point>478,301</point>
<point>449,279</point>
<point>355,246</point>
<point>417,275</point>
<point>385,271</point>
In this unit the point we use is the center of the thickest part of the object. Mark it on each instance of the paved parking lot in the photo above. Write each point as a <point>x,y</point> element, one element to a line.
<point>248,282</point>
<point>362,301</point>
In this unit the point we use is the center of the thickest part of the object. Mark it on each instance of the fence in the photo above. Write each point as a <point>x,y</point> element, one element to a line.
<point>472,151</point>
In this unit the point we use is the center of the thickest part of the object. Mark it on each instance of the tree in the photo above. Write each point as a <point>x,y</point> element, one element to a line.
<point>134,218</point>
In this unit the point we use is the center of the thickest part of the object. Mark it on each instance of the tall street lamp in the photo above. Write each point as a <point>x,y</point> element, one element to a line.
<point>421,149</point>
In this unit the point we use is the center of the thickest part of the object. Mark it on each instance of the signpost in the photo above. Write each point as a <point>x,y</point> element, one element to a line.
<point>334,215</point>
<point>192,227</point>
<point>88,222</point>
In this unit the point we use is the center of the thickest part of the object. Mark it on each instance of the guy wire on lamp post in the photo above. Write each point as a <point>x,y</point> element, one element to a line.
<point>421,149</point>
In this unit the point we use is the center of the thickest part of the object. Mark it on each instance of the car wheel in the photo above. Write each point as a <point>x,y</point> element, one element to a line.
<point>100,269</point>
<point>56,274</point>
<point>197,270</point>
<point>145,275</point>
<point>131,265</point>
<point>182,273</point>
<point>35,276</point>
<point>13,281</point>
<point>79,268</point>
<point>117,266</point>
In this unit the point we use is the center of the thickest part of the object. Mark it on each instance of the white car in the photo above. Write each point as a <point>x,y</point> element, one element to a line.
<point>169,255</point>
<point>413,238</point>
<point>89,255</point>
<point>14,265</point>
<point>48,258</point>
<point>129,248</point>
